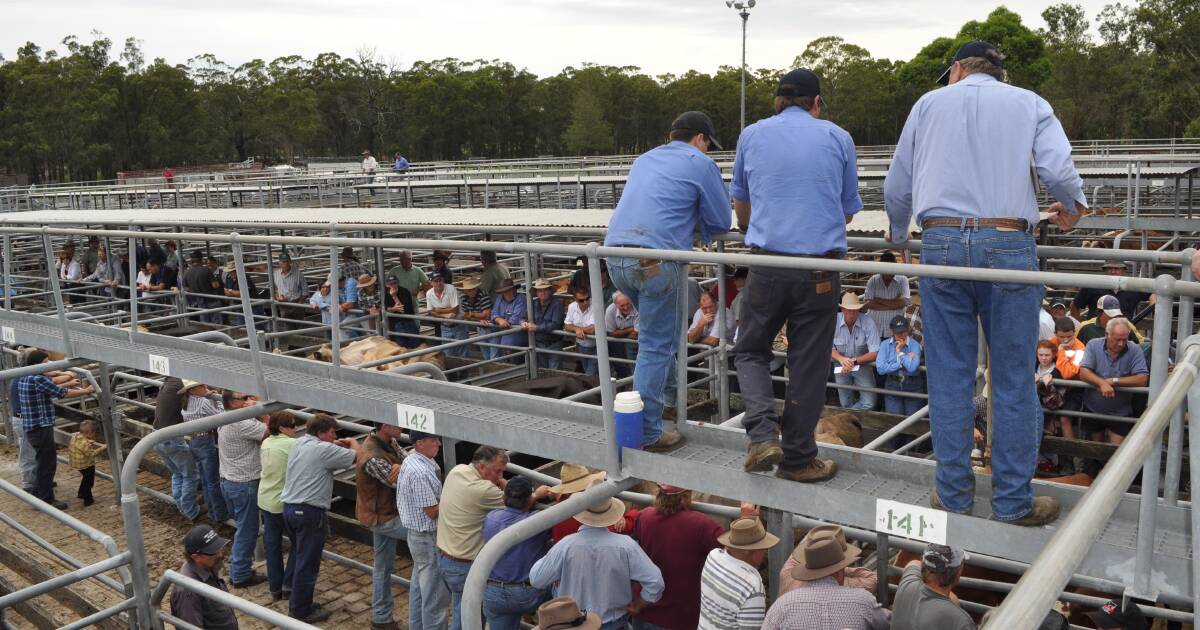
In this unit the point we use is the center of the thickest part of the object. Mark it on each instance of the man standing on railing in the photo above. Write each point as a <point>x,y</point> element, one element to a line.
<point>967,163</point>
<point>672,192</point>
<point>34,403</point>
<point>795,187</point>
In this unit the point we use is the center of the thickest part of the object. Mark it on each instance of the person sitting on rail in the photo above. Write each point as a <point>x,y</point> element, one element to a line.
<point>274,453</point>
<point>855,344</point>
<point>238,447</point>
<point>580,322</point>
<point>621,322</point>
<point>509,595</point>
<point>418,491</point>
<point>204,551</point>
<point>197,403</point>
<point>886,296</point>
<point>731,588</point>
<point>476,306</point>
<point>547,317</point>
<point>857,577</point>
<point>596,566</point>
<point>376,470</point>
<point>925,597</point>
<point>508,311</point>
<point>899,362</point>
<point>826,603</point>
<point>1108,363</point>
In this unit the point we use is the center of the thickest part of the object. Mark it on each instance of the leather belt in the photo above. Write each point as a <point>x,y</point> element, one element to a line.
<point>644,262</point>
<point>833,254</point>
<point>1019,225</point>
<point>500,583</point>
<point>455,558</point>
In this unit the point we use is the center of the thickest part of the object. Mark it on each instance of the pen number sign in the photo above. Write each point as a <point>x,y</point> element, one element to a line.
<point>910,521</point>
<point>415,418</point>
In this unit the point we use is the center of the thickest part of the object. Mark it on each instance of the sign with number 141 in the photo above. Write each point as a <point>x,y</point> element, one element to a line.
<point>910,521</point>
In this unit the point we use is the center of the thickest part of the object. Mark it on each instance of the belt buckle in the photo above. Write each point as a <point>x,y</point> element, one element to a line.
<point>901,377</point>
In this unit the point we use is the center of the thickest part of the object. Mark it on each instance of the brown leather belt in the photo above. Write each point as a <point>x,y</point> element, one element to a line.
<point>455,558</point>
<point>1018,225</point>
<point>644,262</point>
<point>766,252</point>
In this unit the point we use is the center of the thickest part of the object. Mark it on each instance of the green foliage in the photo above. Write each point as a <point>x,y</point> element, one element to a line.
<point>79,113</point>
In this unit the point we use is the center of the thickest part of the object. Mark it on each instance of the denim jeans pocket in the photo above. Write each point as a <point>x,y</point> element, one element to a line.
<point>659,280</point>
<point>934,254</point>
<point>1012,257</point>
<point>758,291</point>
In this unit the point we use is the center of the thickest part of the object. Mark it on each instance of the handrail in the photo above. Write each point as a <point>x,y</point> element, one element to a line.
<point>222,597</point>
<point>1036,591</point>
<point>66,579</point>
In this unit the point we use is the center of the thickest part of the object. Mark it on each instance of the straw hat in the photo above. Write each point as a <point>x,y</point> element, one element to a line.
<point>574,478</point>
<point>851,302</point>
<point>366,280</point>
<point>824,555</point>
<point>188,385</point>
<point>563,613</point>
<point>541,283</point>
<point>470,283</point>
<point>603,514</point>
<point>231,266</point>
<point>748,534</point>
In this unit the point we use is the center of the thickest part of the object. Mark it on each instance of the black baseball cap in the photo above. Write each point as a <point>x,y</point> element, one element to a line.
<point>977,48</point>
<point>899,324</point>
<point>417,436</point>
<point>1054,621</point>
<point>518,488</point>
<point>1111,615</point>
<point>203,539</point>
<point>698,122</point>
<point>799,82</point>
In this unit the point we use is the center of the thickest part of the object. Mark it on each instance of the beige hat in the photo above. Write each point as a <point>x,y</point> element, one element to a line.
<point>603,514</point>
<point>366,280</point>
<point>824,554</point>
<point>851,302</point>
<point>541,283</point>
<point>563,613</point>
<point>470,283</point>
<point>575,477</point>
<point>188,385</point>
<point>231,265</point>
<point>748,534</point>
<point>817,532</point>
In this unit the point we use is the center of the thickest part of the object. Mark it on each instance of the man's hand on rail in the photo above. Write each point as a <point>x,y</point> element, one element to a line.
<point>1064,220</point>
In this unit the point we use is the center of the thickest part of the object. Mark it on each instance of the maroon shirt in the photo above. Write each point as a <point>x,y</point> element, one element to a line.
<point>678,545</point>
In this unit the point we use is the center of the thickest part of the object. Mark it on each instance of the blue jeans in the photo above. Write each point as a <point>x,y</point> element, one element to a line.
<point>520,339</point>
<point>904,405</point>
<point>621,350</point>
<point>177,456</point>
<point>384,537</point>
<point>1008,313</point>
<point>854,399</point>
<point>547,360</point>
<point>427,592</point>
<point>401,329</point>
<point>26,457</point>
<point>204,448</point>
<point>310,527</point>
<point>279,575</point>
<point>454,573</point>
<point>590,367</point>
<point>242,497</point>
<point>654,292</point>
<point>638,624</point>
<point>616,624</point>
<point>503,605</point>
<point>456,332</point>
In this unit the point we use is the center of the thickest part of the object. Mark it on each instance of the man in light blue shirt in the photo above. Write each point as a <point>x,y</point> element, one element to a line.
<point>672,192</point>
<point>966,163</point>
<point>855,345</point>
<point>795,187</point>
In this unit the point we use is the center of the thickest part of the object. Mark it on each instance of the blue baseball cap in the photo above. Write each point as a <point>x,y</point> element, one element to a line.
<point>799,82</point>
<point>977,48</point>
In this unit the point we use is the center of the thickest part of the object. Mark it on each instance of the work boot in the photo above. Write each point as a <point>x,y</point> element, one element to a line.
<point>317,615</point>
<point>391,625</point>
<point>667,442</point>
<point>669,413</point>
<point>254,579</point>
<point>816,470</point>
<point>1044,511</point>
<point>936,503</point>
<point>762,456</point>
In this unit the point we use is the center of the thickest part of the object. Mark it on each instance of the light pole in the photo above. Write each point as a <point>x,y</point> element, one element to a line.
<point>743,9</point>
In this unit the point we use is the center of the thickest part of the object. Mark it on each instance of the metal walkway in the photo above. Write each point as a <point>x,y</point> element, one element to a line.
<point>575,432</point>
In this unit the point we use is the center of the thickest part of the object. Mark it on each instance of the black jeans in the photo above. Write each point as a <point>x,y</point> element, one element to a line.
<point>42,441</point>
<point>806,301</point>
<point>86,484</point>
<point>310,527</point>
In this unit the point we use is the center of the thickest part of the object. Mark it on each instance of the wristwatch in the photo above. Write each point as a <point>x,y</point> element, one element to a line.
<point>1115,380</point>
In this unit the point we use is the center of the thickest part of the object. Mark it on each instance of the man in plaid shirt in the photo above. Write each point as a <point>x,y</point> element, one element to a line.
<point>418,491</point>
<point>35,405</point>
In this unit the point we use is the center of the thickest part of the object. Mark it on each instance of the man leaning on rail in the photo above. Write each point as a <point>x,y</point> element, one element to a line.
<point>967,163</point>
<point>672,191</point>
<point>795,187</point>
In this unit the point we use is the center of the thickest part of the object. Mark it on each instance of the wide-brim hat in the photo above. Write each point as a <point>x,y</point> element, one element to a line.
<point>231,266</point>
<point>817,532</point>
<point>851,302</point>
<point>506,285</point>
<point>366,280</point>
<point>603,514</point>
<point>542,283</point>
<point>1114,264</point>
<point>188,385</point>
<point>348,252</point>
<point>824,555</point>
<point>748,534</point>
<point>563,613</point>
<point>470,283</point>
<point>574,478</point>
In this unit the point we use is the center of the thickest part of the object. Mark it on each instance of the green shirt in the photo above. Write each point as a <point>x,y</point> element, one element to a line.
<point>410,279</point>
<point>491,277</point>
<point>274,451</point>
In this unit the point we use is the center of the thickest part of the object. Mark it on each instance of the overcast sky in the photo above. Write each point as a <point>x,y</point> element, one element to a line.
<point>544,36</point>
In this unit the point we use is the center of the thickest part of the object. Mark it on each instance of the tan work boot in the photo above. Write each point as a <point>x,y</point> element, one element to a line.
<point>1044,512</point>
<point>762,456</point>
<point>669,413</point>
<point>816,470</point>
<point>936,503</point>
<point>668,441</point>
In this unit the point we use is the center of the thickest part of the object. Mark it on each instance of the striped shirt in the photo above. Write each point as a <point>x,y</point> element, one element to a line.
<point>201,407</point>
<point>876,289</point>
<point>732,596</point>
<point>482,302</point>
<point>419,486</point>
<point>35,404</point>
<point>238,450</point>
<point>827,605</point>
<point>290,285</point>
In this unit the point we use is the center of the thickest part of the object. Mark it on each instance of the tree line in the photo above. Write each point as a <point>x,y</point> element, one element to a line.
<point>89,111</point>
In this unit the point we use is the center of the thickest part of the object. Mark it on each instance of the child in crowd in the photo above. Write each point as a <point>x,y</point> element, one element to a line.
<point>82,455</point>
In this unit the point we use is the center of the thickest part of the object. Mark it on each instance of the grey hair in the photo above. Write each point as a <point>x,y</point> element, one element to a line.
<point>989,65</point>
<point>1117,321</point>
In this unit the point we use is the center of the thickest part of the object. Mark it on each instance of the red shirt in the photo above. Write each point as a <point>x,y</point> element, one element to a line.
<point>678,545</point>
<point>570,526</point>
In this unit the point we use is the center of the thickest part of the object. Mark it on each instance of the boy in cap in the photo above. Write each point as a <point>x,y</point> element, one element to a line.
<point>732,594</point>
<point>205,551</point>
<point>925,597</point>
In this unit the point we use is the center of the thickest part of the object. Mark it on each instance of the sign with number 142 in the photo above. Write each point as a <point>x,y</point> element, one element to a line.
<point>417,418</point>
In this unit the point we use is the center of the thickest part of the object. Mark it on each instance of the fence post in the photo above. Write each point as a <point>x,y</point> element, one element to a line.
<point>335,328</point>
<point>1175,436</point>
<point>58,296</point>
<point>248,314</point>
<point>603,369</point>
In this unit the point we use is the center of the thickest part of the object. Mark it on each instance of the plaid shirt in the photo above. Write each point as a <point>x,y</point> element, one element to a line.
<point>351,269</point>
<point>81,452</point>
<point>419,486</point>
<point>827,605</point>
<point>368,301</point>
<point>35,402</point>
<point>238,450</point>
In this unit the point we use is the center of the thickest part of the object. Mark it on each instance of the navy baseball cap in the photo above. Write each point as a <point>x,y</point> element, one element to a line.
<point>973,49</point>
<point>417,436</point>
<point>1111,615</point>
<point>698,122</point>
<point>799,82</point>
<point>518,488</point>
<point>203,539</point>
<point>899,324</point>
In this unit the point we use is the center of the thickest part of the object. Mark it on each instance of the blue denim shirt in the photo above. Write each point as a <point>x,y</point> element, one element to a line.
<point>548,318</point>
<point>800,175</point>
<point>514,565</point>
<point>970,149</point>
<point>888,362</point>
<point>595,566</point>
<point>513,311</point>
<point>672,191</point>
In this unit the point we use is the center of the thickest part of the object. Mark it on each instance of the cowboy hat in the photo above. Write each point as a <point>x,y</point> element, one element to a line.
<point>541,283</point>
<point>563,613</point>
<point>851,302</point>
<point>470,283</point>
<point>231,265</point>
<point>817,532</point>
<point>366,280</point>
<point>188,385</point>
<point>824,555</point>
<point>348,252</point>
<point>606,513</point>
<point>574,477</point>
<point>748,534</point>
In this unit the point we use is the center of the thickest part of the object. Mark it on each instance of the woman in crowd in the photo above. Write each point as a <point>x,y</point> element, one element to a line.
<point>274,452</point>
